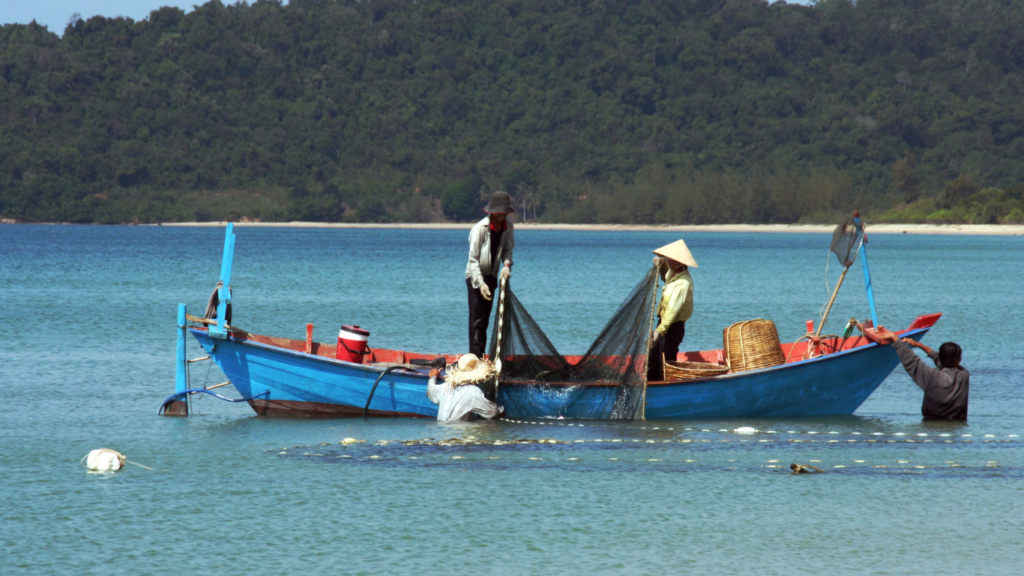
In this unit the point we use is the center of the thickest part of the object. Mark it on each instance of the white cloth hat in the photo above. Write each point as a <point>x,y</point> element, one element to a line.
<point>677,251</point>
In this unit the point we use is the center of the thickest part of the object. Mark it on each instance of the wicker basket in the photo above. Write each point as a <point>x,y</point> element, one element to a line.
<point>691,370</point>
<point>752,345</point>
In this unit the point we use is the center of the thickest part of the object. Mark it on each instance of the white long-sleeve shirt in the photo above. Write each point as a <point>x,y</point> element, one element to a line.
<point>459,402</point>
<point>480,263</point>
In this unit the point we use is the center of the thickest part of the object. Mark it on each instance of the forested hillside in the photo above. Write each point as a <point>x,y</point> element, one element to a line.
<point>683,111</point>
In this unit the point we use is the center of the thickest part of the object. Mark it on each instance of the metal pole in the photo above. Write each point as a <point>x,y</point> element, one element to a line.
<point>220,330</point>
<point>867,271</point>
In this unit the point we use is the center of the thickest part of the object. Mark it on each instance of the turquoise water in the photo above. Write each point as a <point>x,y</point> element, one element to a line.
<point>87,318</point>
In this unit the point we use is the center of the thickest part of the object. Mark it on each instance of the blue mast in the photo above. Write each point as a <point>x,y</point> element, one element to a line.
<point>180,376</point>
<point>219,329</point>
<point>867,271</point>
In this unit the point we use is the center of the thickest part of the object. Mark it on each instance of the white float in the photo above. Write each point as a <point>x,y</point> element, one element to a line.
<point>104,460</point>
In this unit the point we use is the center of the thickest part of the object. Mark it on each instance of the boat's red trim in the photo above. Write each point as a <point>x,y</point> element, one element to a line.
<point>327,350</point>
<point>297,409</point>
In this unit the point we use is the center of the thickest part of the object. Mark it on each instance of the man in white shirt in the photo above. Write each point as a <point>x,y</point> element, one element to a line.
<point>490,255</point>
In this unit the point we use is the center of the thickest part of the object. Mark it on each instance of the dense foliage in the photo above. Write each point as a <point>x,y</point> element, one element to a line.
<point>684,111</point>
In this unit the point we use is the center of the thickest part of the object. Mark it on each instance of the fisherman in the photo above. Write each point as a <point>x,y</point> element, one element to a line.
<point>460,402</point>
<point>490,245</point>
<point>946,387</point>
<point>673,262</point>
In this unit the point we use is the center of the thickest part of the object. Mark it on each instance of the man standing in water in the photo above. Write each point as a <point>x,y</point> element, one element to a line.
<point>946,387</point>
<point>490,245</point>
<point>673,262</point>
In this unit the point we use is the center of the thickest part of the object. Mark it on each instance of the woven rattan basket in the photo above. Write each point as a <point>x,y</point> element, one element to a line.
<point>690,370</point>
<point>751,345</point>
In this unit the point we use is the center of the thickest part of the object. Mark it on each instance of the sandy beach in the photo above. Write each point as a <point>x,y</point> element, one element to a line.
<point>962,229</point>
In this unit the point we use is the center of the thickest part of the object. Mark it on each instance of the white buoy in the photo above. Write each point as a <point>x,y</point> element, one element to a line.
<point>745,430</point>
<point>104,460</point>
<point>348,441</point>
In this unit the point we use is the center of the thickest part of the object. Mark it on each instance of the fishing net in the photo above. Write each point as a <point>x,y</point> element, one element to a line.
<point>607,382</point>
<point>845,240</point>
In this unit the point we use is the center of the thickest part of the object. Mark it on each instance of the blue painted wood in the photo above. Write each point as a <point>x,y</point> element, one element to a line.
<point>867,271</point>
<point>218,330</point>
<point>180,366</point>
<point>291,376</point>
<point>834,384</point>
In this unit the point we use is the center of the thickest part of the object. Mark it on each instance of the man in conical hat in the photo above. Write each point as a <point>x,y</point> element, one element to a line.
<point>673,262</point>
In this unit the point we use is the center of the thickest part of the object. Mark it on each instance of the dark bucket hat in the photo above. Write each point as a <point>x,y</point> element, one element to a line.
<point>501,203</point>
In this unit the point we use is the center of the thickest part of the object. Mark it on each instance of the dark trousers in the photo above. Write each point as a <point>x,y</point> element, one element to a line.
<point>480,315</point>
<point>667,345</point>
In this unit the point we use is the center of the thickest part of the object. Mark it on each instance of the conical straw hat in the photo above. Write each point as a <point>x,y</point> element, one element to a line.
<point>677,251</point>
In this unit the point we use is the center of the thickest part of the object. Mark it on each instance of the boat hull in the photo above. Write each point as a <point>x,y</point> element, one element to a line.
<point>835,384</point>
<point>304,385</point>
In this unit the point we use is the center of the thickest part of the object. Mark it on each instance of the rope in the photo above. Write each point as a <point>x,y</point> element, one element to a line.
<point>808,351</point>
<point>497,339</point>
<point>188,393</point>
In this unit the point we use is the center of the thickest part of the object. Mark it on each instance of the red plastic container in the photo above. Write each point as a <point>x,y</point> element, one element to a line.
<point>353,344</point>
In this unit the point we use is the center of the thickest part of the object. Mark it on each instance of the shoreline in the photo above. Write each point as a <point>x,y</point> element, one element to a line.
<point>957,229</point>
<point>943,229</point>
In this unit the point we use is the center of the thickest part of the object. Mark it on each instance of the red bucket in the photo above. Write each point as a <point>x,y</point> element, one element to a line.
<point>352,344</point>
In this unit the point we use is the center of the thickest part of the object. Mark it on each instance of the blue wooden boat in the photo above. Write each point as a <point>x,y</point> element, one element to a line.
<point>296,378</point>
<point>278,378</point>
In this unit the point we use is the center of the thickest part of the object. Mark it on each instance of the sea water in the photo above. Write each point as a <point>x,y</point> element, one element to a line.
<point>87,317</point>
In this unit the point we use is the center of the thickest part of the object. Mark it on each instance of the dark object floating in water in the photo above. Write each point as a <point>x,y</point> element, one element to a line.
<point>804,469</point>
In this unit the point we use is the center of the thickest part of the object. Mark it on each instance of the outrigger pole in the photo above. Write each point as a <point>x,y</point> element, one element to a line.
<point>177,405</point>
<point>867,271</point>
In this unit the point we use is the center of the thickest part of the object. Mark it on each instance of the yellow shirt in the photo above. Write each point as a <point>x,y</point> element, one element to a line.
<point>676,299</point>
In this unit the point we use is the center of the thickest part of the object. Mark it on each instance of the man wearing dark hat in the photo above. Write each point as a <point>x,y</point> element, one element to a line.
<point>946,387</point>
<point>490,246</point>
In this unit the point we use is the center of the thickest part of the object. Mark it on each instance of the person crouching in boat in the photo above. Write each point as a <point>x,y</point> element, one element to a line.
<point>673,262</point>
<point>490,245</point>
<point>946,387</point>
